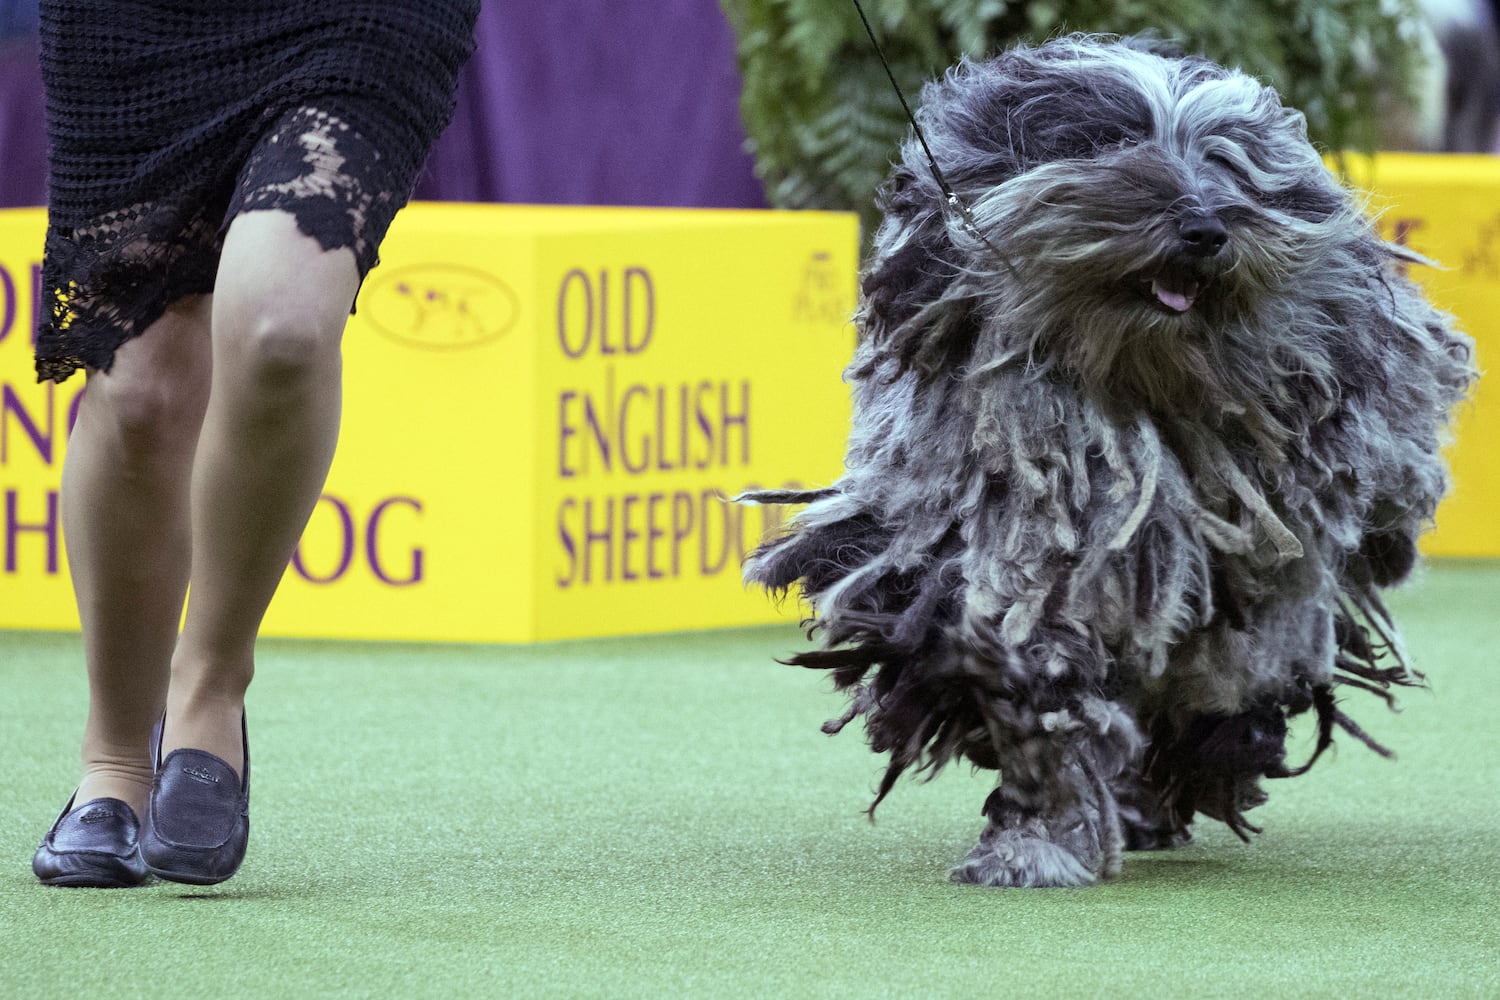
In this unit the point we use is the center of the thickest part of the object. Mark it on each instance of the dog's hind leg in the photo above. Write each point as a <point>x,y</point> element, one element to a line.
<point>1145,821</point>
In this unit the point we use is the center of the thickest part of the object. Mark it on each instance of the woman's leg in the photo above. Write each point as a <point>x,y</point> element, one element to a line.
<point>125,517</point>
<point>280,305</point>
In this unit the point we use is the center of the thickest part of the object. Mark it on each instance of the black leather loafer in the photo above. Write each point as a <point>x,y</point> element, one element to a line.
<point>198,823</point>
<point>95,845</point>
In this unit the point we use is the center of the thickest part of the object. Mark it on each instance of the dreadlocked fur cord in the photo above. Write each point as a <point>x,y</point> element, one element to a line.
<point>1137,441</point>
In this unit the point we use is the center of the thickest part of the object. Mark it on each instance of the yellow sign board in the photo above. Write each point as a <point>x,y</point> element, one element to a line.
<point>1447,208</point>
<point>546,410</point>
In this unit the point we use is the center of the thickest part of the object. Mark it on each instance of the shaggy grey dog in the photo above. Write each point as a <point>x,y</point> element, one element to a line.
<point>1144,419</point>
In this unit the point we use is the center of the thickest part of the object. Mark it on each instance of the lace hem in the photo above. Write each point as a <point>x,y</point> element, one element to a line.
<point>107,283</point>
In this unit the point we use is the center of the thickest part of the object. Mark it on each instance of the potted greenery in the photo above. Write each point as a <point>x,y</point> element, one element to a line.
<point>824,123</point>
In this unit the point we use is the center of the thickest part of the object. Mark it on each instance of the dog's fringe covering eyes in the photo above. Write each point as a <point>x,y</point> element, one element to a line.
<point>1129,464</point>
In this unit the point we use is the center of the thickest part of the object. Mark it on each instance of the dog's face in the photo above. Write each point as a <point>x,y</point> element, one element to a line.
<point>1151,225</point>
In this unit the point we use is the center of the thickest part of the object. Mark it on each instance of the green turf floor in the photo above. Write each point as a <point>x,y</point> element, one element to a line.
<point>661,817</point>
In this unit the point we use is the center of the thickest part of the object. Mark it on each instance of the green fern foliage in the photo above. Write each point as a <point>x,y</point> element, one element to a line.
<point>824,123</point>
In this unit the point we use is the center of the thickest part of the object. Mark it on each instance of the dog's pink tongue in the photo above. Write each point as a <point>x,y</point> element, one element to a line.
<point>1172,299</point>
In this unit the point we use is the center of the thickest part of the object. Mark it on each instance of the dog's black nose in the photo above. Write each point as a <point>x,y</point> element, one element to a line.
<point>1202,235</point>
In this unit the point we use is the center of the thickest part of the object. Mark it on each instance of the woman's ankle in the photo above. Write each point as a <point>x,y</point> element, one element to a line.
<point>131,785</point>
<point>206,721</point>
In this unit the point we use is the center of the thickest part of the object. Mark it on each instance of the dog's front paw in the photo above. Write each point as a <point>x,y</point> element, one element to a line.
<point>1022,858</point>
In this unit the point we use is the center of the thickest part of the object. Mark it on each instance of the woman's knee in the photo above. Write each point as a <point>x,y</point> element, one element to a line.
<point>154,395</point>
<point>144,412</point>
<point>277,341</point>
<point>281,300</point>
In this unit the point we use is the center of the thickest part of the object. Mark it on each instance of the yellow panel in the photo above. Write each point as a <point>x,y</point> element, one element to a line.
<point>1448,209</point>
<point>517,377</point>
<point>35,591</point>
<point>677,372</point>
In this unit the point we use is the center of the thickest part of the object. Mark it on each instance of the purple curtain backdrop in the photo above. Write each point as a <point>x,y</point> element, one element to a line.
<point>23,137</point>
<point>564,102</point>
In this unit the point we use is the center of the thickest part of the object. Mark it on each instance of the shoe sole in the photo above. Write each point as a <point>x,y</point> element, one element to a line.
<point>190,878</point>
<point>80,871</point>
<point>87,882</point>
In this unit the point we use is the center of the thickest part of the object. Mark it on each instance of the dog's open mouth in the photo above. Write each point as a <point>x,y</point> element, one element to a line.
<point>1174,292</point>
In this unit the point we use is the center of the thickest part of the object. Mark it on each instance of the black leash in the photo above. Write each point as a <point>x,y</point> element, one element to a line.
<point>937,174</point>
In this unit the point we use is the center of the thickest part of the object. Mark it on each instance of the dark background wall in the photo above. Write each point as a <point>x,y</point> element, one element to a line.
<point>564,102</point>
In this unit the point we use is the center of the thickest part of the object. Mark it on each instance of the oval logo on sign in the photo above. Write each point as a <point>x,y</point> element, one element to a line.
<point>439,307</point>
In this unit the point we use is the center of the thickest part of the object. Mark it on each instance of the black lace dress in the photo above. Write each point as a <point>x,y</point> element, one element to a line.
<point>167,118</point>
